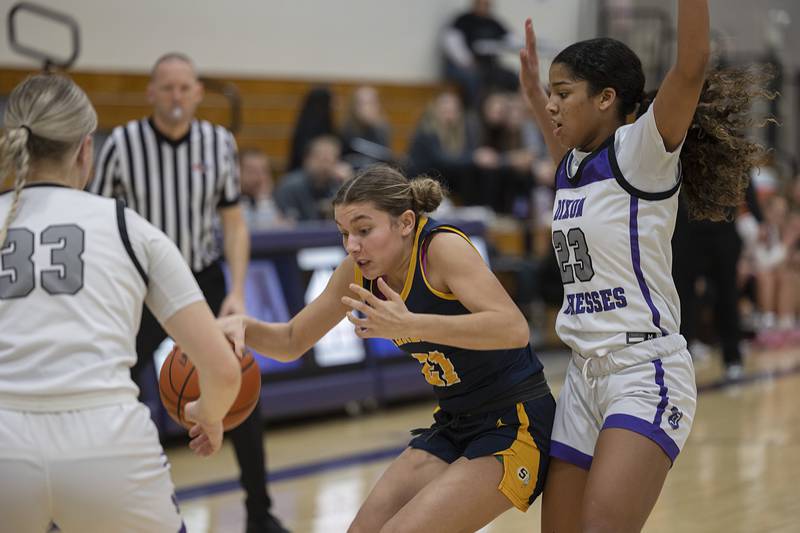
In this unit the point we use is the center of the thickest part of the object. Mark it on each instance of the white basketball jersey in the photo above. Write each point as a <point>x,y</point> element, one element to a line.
<point>74,271</point>
<point>612,240</point>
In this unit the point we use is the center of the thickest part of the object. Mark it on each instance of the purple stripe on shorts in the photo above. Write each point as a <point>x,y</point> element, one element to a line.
<point>183,528</point>
<point>662,391</point>
<point>637,266</point>
<point>644,428</point>
<point>571,455</point>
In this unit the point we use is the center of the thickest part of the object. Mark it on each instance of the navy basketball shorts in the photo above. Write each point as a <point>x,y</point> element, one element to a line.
<point>647,388</point>
<point>519,435</point>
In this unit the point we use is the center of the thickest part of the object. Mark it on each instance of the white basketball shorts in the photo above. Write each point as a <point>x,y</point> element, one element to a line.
<point>648,388</point>
<point>89,470</point>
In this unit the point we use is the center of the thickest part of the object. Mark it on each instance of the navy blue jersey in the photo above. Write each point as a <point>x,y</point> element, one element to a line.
<point>464,380</point>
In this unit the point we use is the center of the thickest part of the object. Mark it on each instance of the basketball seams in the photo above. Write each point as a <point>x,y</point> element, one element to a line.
<point>169,374</point>
<point>181,375</point>
<point>180,395</point>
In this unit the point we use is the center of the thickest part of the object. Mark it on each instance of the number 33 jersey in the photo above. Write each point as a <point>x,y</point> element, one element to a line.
<point>71,297</point>
<point>464,380</point>
<point>613,219</point>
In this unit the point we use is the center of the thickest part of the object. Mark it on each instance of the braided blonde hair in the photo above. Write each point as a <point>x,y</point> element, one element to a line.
<point>47,117</point>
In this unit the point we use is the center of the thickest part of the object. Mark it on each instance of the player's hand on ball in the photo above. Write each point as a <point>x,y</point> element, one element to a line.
<point>206,436</point>
<point>389,319</point>
<point>233,327</point>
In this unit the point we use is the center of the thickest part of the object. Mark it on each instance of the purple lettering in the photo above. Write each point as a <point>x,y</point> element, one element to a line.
<point>598,307</point>
<point>570,305</point>
<point>619,295</point>
<point>608,305</point>
<point>579,310</point>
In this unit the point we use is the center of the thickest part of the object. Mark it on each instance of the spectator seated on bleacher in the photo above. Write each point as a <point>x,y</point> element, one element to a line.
<point>470,45</point>
<point>365,134</point>
<point>314,119</point>
<point>306,193</point>
<point>443,145</point>
<point>258,205</point>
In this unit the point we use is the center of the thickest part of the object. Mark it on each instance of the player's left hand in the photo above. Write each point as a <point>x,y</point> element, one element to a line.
<point>233,304</point>
<point>388,318</point>
<point>206,436</point>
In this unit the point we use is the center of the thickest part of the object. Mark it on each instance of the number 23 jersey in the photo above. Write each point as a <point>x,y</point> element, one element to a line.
<point>613,219</point>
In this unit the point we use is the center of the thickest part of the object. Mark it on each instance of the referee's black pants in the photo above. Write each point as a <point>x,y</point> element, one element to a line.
<point>710,250</point>
<point>247,437</point>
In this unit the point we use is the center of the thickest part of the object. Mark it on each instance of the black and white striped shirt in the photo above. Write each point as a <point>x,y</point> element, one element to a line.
<point>177,185</point>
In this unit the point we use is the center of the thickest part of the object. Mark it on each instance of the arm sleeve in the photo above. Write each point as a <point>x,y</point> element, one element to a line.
<point>643,160</point>
<point>106,170</point>
<point>455,48</point>
<point>171,285</point>
<point>231,188</point>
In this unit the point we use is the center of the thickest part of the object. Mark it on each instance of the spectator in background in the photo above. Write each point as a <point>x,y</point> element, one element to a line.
<point>710,250</point>
<point>365,134</point>
<point>444,146</point>
<point>774,252</point>
<point>306,194</point>
<point>314,119</point>
<point>471,44</point>
<point>258,205</point>
<point>527,158</point>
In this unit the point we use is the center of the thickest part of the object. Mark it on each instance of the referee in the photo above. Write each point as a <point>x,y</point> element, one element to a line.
<point>180,173</point>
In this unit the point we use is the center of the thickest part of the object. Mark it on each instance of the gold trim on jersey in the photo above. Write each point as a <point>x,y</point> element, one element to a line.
<point>444,295</point>
<point>412,264</point>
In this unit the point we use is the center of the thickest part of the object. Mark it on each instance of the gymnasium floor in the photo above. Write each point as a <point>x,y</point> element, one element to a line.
<point>738,472</point>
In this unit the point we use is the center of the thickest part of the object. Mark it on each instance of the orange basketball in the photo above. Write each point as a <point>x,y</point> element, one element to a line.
<point>178,384</point>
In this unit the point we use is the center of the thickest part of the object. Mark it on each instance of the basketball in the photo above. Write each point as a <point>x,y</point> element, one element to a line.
<point>178,384</point>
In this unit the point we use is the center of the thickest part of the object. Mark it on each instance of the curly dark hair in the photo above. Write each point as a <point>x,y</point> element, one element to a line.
<point>718,156</point>
<point>606,62</point>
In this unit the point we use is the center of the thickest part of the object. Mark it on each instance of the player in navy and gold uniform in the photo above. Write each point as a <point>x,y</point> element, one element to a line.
<point>423,285</point>
<point>481,393</point>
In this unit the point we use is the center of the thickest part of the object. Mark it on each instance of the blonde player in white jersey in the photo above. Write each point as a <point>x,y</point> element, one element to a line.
<point>77,450</point>
<point>629,399</point>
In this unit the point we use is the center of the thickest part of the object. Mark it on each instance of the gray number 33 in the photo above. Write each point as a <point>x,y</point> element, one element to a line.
<point>17,270</point>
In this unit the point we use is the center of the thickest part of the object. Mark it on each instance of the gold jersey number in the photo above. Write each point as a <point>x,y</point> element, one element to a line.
<point>437,369</point>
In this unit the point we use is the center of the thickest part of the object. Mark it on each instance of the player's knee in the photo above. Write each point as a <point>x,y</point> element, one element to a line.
<point>605,524</point>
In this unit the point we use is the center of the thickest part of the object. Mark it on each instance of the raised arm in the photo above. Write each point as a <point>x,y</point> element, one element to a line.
<point>535,95</point>
<point>286,341</point>
<point>677,98</point>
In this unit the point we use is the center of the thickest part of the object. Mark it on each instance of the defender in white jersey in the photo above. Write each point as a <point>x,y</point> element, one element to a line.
<point>77,450</point>
<point>629,399</point>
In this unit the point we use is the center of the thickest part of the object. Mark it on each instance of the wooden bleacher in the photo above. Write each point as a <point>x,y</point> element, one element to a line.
<point>269,106</point>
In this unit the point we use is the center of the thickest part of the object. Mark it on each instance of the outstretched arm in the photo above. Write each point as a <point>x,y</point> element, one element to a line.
<point>287,341</point>
<point>677,98</point>
<point>534,93</point>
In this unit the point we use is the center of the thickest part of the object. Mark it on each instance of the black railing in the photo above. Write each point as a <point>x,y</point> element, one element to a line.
<point>48,60</point>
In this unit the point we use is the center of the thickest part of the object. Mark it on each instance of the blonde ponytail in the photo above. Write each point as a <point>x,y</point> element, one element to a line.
<point>47,116</point>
